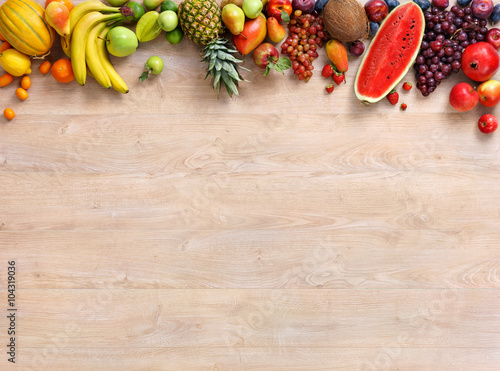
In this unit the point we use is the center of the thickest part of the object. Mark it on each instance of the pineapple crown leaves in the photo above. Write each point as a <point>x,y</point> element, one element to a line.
<point>222,66</point>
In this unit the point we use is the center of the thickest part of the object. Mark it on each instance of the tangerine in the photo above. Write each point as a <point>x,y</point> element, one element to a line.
<point>62,71</point>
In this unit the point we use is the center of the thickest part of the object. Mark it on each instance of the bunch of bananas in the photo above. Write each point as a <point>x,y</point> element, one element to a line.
<point>90,22</point>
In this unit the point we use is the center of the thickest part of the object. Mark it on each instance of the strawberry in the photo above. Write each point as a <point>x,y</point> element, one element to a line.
<point>338,77</point>
<point>329,88</point>
<point>403,106</point>
<point>327,70</point>
<point>393,97</point>
<point>407,86</point>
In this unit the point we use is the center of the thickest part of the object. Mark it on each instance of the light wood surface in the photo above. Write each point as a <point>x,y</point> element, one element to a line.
<point>285,229</point>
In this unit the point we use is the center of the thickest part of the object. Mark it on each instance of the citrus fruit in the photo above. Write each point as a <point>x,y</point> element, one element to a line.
<point>5,79</point>
<point>9,113</point>
<point>62,71</point>
<point>26,82</point>
<point>15,63</point>
<point>45,67</point>
<point>21,93</point>
<point>175,36</point>
<point>168,5</point>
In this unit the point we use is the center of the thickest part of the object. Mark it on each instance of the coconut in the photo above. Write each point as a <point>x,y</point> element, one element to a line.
<point>346,20</point>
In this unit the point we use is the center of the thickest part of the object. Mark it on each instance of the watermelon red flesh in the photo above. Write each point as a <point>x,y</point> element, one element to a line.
<point>391,52</point>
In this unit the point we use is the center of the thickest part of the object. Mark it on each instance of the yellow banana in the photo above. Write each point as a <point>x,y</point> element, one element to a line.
<point>65,46</point>
<point>116,81</point>
<point>79,41</point>
<point>92,58</point>
<point>86,7</point>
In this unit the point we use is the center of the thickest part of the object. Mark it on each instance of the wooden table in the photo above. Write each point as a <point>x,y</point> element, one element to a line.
<point>285,229</point>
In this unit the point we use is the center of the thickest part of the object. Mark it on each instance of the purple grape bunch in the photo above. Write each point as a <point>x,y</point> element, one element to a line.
<point>447,34</point>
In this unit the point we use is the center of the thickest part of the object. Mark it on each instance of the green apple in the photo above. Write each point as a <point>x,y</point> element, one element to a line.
<point>121,41</point>
<point>168,20</point>
<point>252,8</point>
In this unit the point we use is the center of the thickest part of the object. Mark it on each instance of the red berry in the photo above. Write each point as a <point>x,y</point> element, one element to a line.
<point>407,86</point>
<point>404,106</point>
<point>327,70</point>
<point>329,88</point>
<point>393,97</point>
<point>338,78</point>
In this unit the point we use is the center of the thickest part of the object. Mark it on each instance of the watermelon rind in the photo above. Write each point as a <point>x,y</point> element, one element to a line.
<point>406,10</point>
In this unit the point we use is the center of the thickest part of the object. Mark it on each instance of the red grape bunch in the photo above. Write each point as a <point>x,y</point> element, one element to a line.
<point>305,36</point>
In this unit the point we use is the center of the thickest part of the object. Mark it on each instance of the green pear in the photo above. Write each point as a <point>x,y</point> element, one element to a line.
<point>234,18</point>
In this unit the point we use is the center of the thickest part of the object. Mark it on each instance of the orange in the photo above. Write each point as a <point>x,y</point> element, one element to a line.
<point>5,79</point>
<point>26,82</point>
<point>21,93</point>
<point>67,3</point>
<point>9,113</point>
<point>62,71</point>
<point>5,45</point>
<point>45,67</point>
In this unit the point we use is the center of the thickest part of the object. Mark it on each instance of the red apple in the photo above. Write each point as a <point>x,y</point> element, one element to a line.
<point>275,7</point>
<point>376,10</point>
<point>493,37</point>
<point>480,61</point>
<point>253,34</point>
<point>463,97</point>
<point>264,54</point>
<point>489,93</point>
<point>487,123</point>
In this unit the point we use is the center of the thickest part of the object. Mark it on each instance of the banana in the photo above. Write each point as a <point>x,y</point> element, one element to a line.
<point>91,57</point>
<point>79,41</point>
<point>65,46</point>
<point>86,7</point>
<point>116,81</point>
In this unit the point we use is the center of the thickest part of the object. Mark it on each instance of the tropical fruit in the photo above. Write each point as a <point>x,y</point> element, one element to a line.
<point>345,20</point>
<point>391,53</point>
<point>201,22</point>
<point>23,24</point>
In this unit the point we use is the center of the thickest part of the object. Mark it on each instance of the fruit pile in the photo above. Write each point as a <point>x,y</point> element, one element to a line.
<point>435,40</point>
<point>448,33</point>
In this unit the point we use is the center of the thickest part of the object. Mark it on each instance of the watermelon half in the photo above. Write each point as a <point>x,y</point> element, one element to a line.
<point>391,53</point>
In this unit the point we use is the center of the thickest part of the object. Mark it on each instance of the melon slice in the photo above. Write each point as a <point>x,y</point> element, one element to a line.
<point>391,53</point>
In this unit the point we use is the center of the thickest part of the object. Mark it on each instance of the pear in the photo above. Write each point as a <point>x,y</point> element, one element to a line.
<point>234,18</point>
<point>275,30</point>
<point>57,16</point>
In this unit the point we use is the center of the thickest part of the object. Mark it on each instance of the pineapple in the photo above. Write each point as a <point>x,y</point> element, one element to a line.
<point>201,22</point>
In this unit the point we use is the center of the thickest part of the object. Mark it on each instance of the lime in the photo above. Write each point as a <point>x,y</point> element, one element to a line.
<point>15,63</point>
<point>175,36</point>
<point>168,5</point>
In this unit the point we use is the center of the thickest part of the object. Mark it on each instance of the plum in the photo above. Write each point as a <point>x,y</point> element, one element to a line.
<point>495,14</point>
<point>423,4</point>
<point>482,8</point>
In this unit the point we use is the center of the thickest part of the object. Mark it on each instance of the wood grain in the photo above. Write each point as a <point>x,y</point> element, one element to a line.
<point>284,229</point>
